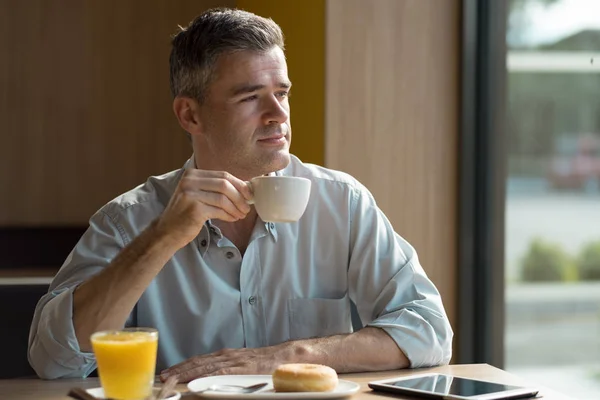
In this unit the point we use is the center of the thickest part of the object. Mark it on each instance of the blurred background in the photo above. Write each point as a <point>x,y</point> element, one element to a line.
<point>475,123</point>
<point>552,331</point>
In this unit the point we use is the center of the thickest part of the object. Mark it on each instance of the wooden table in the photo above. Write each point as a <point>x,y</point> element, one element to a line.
<point>36,389</point>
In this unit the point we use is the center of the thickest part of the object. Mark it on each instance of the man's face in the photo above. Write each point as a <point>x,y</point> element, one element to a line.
<point>245,117</point>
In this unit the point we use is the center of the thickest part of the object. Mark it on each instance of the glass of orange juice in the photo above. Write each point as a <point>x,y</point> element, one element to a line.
<point>126,362</point>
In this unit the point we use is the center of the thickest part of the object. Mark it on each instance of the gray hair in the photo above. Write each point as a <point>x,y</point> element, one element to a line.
<point>195,49</point>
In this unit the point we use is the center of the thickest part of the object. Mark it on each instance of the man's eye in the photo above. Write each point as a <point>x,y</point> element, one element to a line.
<point>283,94</point>
<point>247,99</point>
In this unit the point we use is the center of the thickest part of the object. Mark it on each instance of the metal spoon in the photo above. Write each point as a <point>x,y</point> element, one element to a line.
<point>234,388</point>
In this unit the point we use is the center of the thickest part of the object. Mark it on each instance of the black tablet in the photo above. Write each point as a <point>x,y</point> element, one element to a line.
<point>440,386</point>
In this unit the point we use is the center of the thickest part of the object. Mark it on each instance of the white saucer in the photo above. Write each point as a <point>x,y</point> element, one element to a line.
<point>99,393</point>
<point>343,390</point>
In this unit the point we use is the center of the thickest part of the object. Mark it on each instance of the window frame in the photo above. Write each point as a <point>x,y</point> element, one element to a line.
<point>482,183</point>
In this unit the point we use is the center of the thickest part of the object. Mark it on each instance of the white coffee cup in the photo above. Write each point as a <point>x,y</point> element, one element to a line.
<point>280,198</point>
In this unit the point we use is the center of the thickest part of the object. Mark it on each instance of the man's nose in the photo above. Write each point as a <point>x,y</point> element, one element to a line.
<point>276,112</point>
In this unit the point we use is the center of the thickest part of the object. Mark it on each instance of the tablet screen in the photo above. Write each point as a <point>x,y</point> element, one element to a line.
<point>451,385</point>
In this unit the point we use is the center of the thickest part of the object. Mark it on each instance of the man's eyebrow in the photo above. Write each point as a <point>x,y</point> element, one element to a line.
<point>246,88</point>
<point>249,88</point>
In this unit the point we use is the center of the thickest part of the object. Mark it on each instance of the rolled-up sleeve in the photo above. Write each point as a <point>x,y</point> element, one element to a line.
<point>391,290</point>
<point>53,347</point>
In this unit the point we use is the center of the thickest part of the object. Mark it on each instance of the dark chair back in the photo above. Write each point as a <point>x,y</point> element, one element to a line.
<point>17,304</point>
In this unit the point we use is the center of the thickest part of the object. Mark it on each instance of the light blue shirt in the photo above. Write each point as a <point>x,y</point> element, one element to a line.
<point>296,280</point>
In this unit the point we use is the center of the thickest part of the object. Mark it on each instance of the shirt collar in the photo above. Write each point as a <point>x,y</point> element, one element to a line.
<point>205,237</point>
<point>190,163</point>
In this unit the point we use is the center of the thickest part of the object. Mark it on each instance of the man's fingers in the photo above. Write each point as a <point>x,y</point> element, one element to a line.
<point>218,201</point>
<point>180,370</point>
<point>198,367</point>
<point>240,186</point>
<point>229,371</point>
<point>195,373</point>
<point>244,188</point>
<point>192,374</point>
<point>174,369</point>
<point>223,362</point>
<point>216,358</point>
<point>219,186</point>
<point>213,212</point>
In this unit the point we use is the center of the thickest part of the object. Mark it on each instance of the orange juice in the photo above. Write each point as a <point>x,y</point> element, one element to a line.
<point>126,362</point>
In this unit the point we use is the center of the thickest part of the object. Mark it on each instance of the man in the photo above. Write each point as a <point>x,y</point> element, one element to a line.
<point>229,293</point>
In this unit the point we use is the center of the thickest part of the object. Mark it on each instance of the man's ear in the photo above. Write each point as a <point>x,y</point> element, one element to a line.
<point>187,111</point>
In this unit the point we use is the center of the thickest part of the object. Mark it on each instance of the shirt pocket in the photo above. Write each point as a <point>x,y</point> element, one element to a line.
<point>310,318</point>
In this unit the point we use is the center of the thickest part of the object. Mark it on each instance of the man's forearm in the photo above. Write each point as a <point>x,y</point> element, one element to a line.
<point>370,349</point>
<point>106,300</point>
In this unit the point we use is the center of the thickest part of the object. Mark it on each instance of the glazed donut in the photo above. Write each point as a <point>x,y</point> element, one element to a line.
<point>304,378</point>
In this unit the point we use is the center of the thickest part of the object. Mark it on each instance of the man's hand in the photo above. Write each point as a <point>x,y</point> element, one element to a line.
<point>259,361</point>
<point>200,196</point>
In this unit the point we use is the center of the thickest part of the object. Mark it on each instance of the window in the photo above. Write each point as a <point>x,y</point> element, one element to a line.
<point>552,215</point>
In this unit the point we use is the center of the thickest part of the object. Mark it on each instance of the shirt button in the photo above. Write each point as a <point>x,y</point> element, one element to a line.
<point>203,243</point>
<point>229,255</point>
<point>272,225</point>
<point>252,300</point>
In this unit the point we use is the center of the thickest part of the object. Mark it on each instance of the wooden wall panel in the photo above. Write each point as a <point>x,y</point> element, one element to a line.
<point>392,100</point>
<point>85,108</point>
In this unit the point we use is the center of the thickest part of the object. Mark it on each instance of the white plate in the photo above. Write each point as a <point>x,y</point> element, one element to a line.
<point>344,388</point>
<point>99,393</point>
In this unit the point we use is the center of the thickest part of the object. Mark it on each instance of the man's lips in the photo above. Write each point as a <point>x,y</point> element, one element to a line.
<point>273,139</point>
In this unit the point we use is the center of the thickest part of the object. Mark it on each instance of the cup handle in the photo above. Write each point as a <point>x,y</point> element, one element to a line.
<point>251,201</point>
